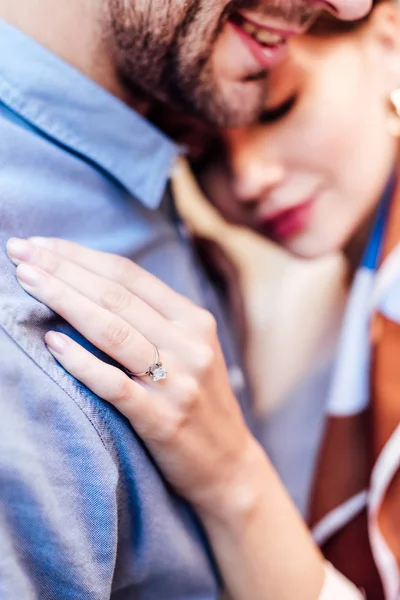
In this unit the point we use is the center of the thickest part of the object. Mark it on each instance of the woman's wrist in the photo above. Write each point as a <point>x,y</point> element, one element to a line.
<point>235,496</point>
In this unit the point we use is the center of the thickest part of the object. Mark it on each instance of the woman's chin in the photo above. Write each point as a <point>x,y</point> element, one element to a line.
<point>311,247</point>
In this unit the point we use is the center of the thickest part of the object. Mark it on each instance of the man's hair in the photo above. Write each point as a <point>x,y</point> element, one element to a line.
<point>327,24</point>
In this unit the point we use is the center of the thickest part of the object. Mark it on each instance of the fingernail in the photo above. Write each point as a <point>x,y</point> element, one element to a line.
<point>41,241</point>
<point>30,276</point>
<point>55,342</point>
<point>19,250</point>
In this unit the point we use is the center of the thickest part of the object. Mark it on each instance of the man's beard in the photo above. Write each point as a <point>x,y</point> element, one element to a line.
<point>164,56</point>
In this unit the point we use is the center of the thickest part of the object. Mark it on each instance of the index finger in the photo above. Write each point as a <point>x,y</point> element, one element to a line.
<point>124,271</point>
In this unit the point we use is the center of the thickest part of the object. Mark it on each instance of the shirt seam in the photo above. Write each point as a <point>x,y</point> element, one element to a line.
<point>54,380</point>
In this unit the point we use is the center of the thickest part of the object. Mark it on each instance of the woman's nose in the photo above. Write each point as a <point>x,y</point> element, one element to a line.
<point>256,178</point>
<point>347,10</point>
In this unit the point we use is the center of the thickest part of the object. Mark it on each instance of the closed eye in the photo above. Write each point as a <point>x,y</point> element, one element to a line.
<point>275,114</point>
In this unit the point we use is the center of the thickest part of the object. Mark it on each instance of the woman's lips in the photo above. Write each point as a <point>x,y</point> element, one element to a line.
<point>266,56</point>
<point>289,222</point>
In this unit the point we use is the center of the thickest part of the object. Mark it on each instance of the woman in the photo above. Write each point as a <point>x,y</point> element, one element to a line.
<point>327,150</point>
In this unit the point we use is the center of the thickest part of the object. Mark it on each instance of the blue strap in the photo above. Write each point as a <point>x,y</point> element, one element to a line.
<point>373,251</point>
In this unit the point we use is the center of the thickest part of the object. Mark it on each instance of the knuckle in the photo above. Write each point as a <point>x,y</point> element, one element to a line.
<point>122,267</point>
<point>115,298</point>
<point>117,334</point>
<point>122,392</point>
<point>168,430</point>
<point>57,294</point>
<point>172,427</point>
<point>207,323</point>
<point>51,263</point>
<point>54,244</point>
<point>203,357</point>
<point>189,395</point>
<point>182,414</point>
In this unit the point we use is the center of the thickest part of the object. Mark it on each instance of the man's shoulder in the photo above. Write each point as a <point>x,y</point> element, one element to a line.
<point>37,391</point>
<point>58,487</point>
<point>37,395</point>
<point>39,400</point>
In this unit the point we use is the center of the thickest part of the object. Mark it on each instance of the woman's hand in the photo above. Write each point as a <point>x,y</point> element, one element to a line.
<point>190,421</point>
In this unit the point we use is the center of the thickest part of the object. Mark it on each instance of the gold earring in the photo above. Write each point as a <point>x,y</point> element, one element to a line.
<point>394,116</point>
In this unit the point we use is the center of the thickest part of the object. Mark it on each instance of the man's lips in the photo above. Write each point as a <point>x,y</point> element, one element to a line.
<point>243,17</point>
<point>266,44</point>
<point>288,222</point>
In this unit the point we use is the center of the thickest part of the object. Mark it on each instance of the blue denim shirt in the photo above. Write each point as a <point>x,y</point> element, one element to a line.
<point>84,511</point>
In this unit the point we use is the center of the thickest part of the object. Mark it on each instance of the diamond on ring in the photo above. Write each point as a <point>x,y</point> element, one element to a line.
<point>157,372</point>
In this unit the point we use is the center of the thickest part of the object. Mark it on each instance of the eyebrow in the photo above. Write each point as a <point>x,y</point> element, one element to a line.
<point>270,115</point>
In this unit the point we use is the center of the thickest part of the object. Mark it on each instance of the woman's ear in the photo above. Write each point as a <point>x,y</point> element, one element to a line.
<point>383,30</point>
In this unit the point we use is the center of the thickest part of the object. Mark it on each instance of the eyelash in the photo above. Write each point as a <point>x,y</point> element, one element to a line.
<point>274,115</point>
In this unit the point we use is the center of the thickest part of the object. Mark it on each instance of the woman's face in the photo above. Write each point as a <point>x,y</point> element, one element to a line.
<point>312,171</point>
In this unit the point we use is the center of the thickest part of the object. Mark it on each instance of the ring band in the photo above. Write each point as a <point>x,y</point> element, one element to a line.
<point>156,370</point>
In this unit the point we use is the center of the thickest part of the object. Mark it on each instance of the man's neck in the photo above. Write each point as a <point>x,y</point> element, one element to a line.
<point>74,30</point>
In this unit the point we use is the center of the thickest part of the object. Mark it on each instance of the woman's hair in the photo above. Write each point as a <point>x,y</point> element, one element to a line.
<point>327,24</point>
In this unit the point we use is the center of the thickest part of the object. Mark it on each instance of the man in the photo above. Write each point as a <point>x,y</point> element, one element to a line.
<point>84,513</point>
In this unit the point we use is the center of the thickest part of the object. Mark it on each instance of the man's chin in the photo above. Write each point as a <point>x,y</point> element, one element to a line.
<point>241,104</point>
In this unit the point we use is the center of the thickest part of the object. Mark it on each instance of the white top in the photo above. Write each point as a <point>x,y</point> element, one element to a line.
<point>337,587</point>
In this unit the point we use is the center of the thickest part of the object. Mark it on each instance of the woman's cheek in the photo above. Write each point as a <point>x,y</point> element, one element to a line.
<point>325,142</point>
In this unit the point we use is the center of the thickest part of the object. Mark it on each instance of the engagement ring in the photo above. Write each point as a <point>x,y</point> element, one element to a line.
<point>156,371</point>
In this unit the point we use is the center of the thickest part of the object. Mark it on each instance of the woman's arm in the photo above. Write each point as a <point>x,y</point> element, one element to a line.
<point>263,547</point>
<point>190,422</point>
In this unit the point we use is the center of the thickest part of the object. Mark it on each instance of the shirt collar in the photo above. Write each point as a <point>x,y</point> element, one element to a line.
<point>71,109</point>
